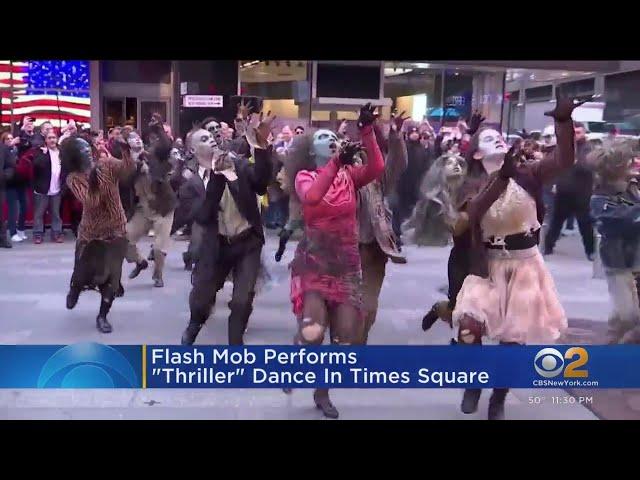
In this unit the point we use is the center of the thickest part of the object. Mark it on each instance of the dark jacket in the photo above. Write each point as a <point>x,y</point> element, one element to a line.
<point>191,197</point>
<point>578,180</point>
<point>617,218</point>
<point>252,180</point>
<point>42,173</point>
<point>418,162</point>
<point>7,166</point>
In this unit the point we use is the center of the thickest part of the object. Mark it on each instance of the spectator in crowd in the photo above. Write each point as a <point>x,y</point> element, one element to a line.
<point>16,192</point>
<point>28,138</point>
<point>287,136</point>
<point>69,130</point>
<point>573,193</point>
<point>7,168</point>
<point>407,190</point>
<point>47,182</point>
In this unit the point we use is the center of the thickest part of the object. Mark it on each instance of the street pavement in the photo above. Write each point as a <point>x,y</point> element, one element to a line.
<point>34,282</point>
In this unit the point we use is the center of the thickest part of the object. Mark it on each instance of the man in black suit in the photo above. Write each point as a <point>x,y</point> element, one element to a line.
<point>233,234</point>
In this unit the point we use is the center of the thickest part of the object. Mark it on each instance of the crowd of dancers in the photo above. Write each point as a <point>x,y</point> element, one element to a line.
<point>488,198</point>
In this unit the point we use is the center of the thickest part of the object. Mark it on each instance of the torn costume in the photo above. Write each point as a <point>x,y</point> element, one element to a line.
<point>509,294</point>
<point>435,214</point>
<point>377,242</point>
<point>101,244</point>
<point>232,236</point>
<point>326,280</point>
<point>156,202</point>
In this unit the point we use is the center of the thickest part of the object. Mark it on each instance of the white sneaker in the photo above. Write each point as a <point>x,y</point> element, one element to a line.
<point>16,238</point>
<point>22,234</point>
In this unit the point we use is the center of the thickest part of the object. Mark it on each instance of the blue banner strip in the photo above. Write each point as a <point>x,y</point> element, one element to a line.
<point>93,365</point>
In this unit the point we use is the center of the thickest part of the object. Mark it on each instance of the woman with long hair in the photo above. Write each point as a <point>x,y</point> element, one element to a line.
<point>326,279</point>
<point>102,242</point>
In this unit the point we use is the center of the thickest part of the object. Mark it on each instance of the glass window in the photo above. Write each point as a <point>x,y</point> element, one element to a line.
<point>282,85</point>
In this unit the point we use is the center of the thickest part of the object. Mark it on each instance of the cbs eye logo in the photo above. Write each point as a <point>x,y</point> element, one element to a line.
<point>87,365</point>
<point>549,363</point>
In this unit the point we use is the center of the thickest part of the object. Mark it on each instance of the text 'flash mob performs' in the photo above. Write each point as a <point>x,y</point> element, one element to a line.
<point>350,198</point>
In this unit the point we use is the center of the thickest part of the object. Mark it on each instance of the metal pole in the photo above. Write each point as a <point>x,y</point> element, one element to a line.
<point>504,88</point>
<point>11,92</point>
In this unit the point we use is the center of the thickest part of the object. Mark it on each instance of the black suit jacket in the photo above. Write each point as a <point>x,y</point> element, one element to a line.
<point>252,180</point>
<point>42,173</point>
<point>191,197</point>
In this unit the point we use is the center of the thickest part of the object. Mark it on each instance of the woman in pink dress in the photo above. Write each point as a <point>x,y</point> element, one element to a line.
<point>325,273</point>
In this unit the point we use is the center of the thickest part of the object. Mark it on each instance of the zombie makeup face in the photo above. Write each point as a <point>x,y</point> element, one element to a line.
<point>203,146</point>
<point>86,158</point>
<point>175,157</point>
<point>135,142</point>
<point>325,143</point>
<point>453,167</point>
<point>490,143</point>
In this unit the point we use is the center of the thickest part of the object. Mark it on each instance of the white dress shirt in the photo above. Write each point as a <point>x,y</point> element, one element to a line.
<point>56,168</point>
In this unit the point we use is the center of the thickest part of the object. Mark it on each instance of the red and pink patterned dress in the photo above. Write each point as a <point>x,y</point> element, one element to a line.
<point>327,260</point>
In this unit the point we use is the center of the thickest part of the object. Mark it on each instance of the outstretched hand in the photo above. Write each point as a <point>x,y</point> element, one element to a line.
<point>244,109</point>
<point>511,161</point>
<point>367,115</point>
<point>565,107</point>
<point>474,122</point>
<point>348,151</point>
<point>397,121</point>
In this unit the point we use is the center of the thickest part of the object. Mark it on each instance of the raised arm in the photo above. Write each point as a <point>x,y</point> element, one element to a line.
<point>364,174</point>
<point>563,157</point>
<point>396,161</point>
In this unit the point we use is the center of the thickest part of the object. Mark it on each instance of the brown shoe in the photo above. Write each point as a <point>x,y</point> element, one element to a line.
<point>37,239</point>
<point>59,238</point>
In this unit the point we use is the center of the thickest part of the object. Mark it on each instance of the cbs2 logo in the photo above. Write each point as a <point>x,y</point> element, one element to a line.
<point>549,363</point>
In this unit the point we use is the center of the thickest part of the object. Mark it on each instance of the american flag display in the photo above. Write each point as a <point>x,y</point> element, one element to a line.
<point>46,90</point>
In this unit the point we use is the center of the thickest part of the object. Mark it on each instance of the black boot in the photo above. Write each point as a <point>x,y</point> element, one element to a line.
<point>143,265</point>
<point>430,318</point>
<point>102,324</point>
<point>72,297</point>
<point>323,402</point>
<point>496,403</point>
<point>470,400</point>
<point>190,333</point>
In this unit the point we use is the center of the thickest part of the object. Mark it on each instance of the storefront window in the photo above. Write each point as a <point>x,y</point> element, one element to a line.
<point>46,90</point>
<point>283,86</point>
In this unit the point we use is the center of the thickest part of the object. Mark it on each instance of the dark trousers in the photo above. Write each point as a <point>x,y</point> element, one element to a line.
<point>565,205</point>
<point>16,199</point>
<point>400,212</point>
<point>242,259</point>
<point>277,213</point>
